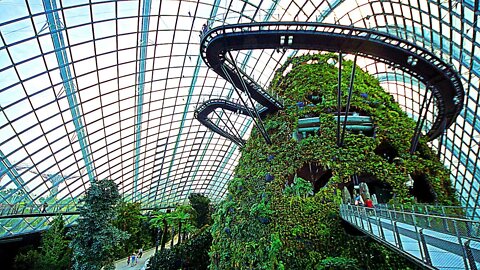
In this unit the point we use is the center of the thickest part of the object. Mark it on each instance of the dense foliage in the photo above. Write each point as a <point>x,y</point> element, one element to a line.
<point>192,254</point>
<point>95,236</point>
<point>201,204</point>
<point>130,220</point>
<point>53,253</point>
<point>272,220</point>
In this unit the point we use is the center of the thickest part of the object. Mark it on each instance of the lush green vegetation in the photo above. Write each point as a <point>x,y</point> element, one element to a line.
<point>193,229</point>
<point>201,204</point>
<point>107,228</point>
<point>192,254</point>
<point>130,220</point>
<point>53,253</point>
<point>95,236</point>
<point>272,220</point>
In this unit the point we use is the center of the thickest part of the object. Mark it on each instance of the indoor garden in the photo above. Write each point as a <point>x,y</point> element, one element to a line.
<point>282,207</point>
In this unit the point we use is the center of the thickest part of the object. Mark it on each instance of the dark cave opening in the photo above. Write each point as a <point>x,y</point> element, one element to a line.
<point>422,189</point>
<point>315,174</point>
<point>382,190</point>
<point>387,151</point>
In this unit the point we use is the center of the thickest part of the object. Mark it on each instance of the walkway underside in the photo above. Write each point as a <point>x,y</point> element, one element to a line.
<point>437,75</point>
<point>202,112</point>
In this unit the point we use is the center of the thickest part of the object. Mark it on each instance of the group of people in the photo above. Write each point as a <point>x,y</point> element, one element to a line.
<point>132,260</point>
<point>359,201</point>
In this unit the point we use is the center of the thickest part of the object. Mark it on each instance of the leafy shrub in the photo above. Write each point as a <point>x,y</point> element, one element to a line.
<point>95,237</point>
<point>53,253</point>
<point>201,204</point>
<point>192,254</point>
<point>338,263</point>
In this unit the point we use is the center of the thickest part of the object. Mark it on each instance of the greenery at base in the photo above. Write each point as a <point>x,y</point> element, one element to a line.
<point>192,254</point>
<point>191,251</point>
<point>95,237</point>
<point>130,220</point>
<point>53,253</point>
<point>276,225</point>
<point>338,263</point>
<point>201,204</point>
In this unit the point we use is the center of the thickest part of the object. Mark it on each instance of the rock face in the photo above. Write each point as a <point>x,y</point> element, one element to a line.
<point>277,221</point>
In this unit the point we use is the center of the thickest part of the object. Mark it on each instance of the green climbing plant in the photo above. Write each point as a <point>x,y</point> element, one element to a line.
<point>303,230</point>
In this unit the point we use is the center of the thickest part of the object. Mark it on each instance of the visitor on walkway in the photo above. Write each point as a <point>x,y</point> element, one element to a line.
<point>358,200</point>
<point>369,203</point>
<point>128,260</point>
<point>140,253</point>
<point>134,259</point>
<point>44,207</point>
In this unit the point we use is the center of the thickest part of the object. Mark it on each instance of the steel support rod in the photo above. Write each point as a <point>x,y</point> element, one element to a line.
<point>419,125</point>
<point>339,95</point>
<point>425,247</point>
<point>440,141</point>
<point>249,96</point>
<point>230,121</point>
<point>257,120</point>
<point>464,250</point>
<point>225,123</point>
<point>397,235</point>
<point>471,258</point>
<point>350,89</point>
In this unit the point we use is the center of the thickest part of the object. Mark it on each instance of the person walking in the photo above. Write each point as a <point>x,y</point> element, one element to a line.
<point>140,253</point>
<point>134,259</point>
<point>128,260</point>
<point>44,207</point>
<point>358,200</point>
<point>369,203</point>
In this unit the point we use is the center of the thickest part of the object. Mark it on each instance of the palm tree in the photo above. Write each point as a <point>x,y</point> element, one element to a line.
<point>183,214</point>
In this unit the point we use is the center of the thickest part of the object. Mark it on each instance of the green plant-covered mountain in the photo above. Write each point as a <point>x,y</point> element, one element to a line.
<point>281,211</point>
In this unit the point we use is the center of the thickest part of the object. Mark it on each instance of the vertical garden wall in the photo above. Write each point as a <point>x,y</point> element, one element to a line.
<point>281,211</point>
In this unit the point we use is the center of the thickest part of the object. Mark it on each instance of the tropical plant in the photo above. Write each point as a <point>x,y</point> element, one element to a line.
<point>300,188</point>
<point>53,253</point>
<point>95,236</point>
<point>192,254</point>
<point>201,204</point>
<point>130,220</point>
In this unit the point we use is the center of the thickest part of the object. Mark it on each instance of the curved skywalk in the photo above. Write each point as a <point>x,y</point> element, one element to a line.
<point>108,89</point>
<point>440,78</point>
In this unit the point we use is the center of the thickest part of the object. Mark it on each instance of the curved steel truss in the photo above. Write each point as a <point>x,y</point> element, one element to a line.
<point>438,76</point>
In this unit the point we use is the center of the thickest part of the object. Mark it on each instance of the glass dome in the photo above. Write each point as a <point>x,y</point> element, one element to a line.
<point>108,89</point>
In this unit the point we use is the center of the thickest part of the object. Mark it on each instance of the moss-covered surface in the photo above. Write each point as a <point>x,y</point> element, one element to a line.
<point>262,226</point>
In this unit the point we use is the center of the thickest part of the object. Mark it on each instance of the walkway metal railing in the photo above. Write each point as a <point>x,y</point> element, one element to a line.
<point>435,210</point>
<point>442,78</point>
<point>28,210</point>
<point>23,209</point>
<point>433,241</point>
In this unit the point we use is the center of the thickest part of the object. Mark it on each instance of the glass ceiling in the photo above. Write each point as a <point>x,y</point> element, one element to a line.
<point>107,89</point>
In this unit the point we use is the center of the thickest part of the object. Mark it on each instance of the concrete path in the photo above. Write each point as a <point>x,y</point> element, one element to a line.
<point>142,262</point>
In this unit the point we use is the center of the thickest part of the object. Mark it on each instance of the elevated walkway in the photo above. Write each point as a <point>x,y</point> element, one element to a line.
<point>432,241</point>
<point>21,218</point>
<point>439,76</point>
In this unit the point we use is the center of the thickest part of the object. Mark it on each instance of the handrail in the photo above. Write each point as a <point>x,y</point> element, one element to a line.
<point>450,243</point>
<point>442,79</point>
<point>436,210</point>
<point>19,210</point>
<point>424,215</point>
